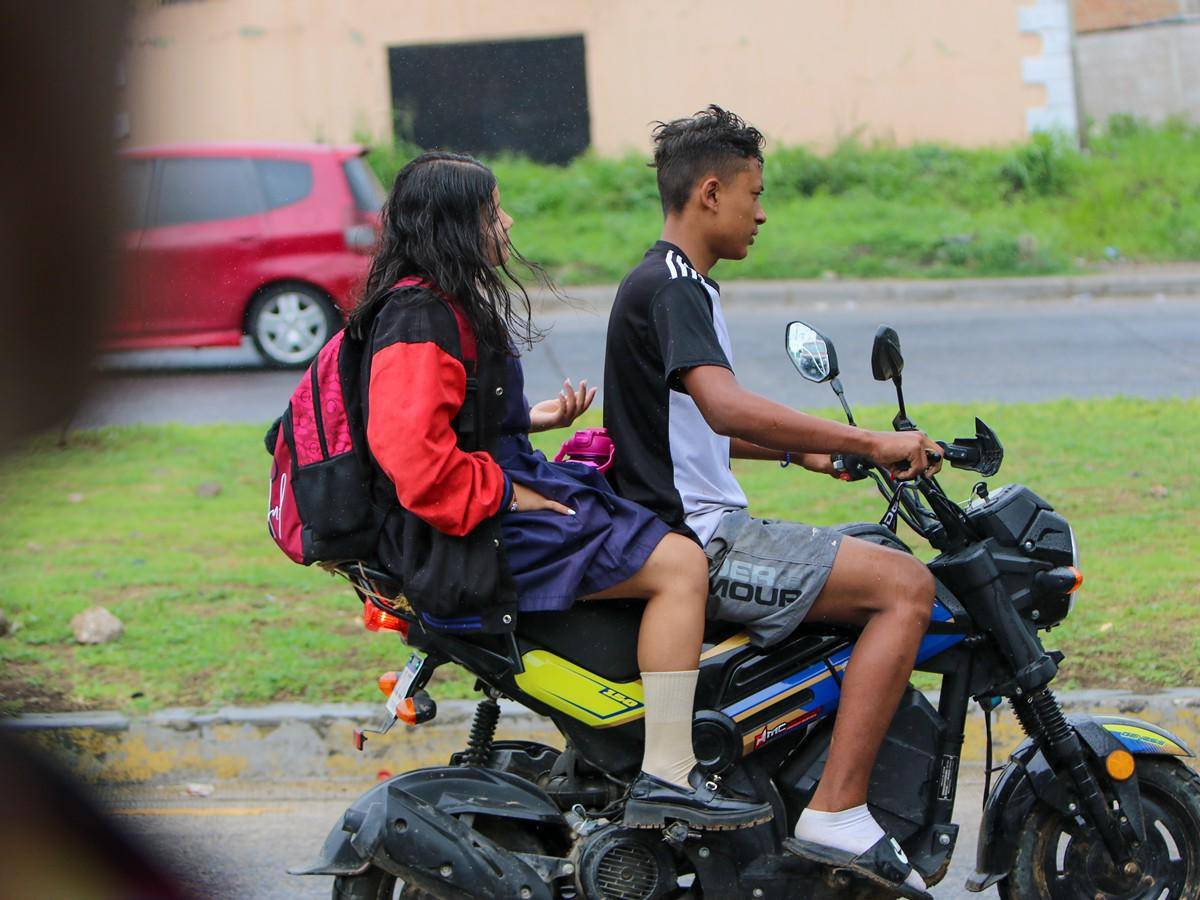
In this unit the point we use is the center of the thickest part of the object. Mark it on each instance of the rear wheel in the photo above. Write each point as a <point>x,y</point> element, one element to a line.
<point>1059,859</point>
<point>373,884</point>
<point>290,323</point>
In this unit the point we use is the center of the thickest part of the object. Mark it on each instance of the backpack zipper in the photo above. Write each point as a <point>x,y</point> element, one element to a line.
<point>316,400</point>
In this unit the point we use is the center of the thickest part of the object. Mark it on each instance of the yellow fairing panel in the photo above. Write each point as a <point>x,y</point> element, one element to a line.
<point>581,694</point>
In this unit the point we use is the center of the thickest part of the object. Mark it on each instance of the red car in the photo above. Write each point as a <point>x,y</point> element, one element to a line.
<point>222,240</point>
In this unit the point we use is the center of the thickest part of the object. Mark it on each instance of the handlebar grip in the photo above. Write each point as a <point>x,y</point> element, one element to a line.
<point>958,454</point>
<point>850,467</point>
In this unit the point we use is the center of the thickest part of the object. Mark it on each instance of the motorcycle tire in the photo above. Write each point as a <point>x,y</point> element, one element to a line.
<point>1056,860</point>
<point>374,884</point>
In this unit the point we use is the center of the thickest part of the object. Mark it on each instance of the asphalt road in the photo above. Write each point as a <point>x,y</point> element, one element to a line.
<point>968,351</point>
<point>239,842</point>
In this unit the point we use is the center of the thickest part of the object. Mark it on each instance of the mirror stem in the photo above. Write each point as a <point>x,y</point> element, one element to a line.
<point>836,384</point>
<point>900,397</point>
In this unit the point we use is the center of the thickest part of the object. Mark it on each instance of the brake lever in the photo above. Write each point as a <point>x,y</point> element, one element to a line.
<point>931,457</point>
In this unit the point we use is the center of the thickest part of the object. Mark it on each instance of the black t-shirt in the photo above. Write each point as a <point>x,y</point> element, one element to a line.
<point>666,319</point>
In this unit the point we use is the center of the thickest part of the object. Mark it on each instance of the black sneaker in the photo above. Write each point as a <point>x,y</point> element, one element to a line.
<point>653,803</point>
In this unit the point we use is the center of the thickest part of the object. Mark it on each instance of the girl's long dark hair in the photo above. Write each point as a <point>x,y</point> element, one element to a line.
<point>434,225</point>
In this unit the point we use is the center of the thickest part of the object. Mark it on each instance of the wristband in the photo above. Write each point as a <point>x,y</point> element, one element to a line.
<point>786,461</point>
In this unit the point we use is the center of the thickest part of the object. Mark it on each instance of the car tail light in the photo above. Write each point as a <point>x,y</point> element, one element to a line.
<point>375,619</point>
<point>361,238</point>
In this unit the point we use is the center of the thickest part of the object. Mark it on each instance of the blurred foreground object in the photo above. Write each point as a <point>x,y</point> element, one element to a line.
<point>58,69</point>
<point>54,841</point>
<point>58,66</point>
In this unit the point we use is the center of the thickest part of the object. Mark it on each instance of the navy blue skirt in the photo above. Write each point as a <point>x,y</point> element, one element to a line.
<point>556,558</point>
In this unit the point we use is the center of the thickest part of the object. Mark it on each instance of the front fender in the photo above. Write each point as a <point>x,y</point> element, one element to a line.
<point>1029,778</point>
<point>407,827</point>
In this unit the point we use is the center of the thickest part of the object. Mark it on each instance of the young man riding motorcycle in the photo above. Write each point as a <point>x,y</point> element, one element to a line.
<point>677,415</point>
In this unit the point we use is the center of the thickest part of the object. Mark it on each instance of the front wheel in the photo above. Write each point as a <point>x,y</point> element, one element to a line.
<point>290,323</point>
<point>1059,859</point>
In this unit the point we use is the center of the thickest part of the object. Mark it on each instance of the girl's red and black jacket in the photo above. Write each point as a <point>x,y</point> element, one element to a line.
<point>433,406</point>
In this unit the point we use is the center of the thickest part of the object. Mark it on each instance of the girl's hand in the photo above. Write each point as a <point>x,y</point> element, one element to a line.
<point>529,500</point>
<point>562,410</point>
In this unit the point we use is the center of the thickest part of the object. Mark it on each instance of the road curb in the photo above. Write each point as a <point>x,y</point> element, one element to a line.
<point>1147,284</point>
<point>293,742</point>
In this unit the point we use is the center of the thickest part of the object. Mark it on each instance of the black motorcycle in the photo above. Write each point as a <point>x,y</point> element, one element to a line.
<point>1087,807</point>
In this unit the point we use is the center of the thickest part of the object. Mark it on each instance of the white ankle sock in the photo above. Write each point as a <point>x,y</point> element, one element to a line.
<point>853,830</point>
<point>670,697</point>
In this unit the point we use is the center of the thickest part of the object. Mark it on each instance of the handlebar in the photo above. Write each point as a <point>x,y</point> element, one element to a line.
<point>941,522</point>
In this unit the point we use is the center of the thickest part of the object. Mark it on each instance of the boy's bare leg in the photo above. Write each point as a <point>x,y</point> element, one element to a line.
<point>891,594</point>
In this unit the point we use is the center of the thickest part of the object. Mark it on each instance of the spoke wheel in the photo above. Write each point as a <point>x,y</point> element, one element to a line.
<point>1059,859</point>
<point>291,323</point>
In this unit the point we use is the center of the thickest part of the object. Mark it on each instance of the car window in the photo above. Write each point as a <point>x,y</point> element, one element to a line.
<point>134,190</point>
<point>205,189</point>
<point>284,181</point>
<point>367,191</point>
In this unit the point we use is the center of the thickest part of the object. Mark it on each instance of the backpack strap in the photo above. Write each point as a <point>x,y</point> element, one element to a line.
<point>466,334</point>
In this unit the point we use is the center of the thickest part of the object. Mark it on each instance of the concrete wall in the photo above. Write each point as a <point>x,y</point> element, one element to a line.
<point>1151,72</point>
<point>943,70</point>
<point>1102,15</point>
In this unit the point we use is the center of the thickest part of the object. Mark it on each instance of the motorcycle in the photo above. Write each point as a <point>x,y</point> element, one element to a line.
<point>1086,807</point>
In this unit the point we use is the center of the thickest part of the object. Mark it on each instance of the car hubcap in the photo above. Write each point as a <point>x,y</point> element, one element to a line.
<point>292,327</point>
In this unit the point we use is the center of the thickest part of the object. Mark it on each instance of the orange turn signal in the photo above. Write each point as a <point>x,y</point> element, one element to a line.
<point>387,682</point>
<point>1078,580</point>
<point>406,711</point>
<point>1120,764</point>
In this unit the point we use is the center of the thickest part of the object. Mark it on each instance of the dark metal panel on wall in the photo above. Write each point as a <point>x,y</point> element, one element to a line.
<point>522,96</point>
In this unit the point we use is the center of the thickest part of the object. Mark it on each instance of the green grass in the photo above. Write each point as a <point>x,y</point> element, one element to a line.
<point>215,614</point>
<point>924,211</point>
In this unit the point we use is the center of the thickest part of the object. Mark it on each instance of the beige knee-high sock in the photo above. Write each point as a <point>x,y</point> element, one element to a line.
<point>669,700</point>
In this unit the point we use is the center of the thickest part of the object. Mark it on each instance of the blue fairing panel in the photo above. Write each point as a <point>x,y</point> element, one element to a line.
<point>826,690</point>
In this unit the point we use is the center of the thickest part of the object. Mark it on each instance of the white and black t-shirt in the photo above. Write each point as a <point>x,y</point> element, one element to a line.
<point>665,320</point>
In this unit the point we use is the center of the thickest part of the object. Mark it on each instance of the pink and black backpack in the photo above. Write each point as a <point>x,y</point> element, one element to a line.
<point>321,507</point>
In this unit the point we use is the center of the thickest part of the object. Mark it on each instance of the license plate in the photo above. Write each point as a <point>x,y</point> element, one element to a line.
<point>400,692</point>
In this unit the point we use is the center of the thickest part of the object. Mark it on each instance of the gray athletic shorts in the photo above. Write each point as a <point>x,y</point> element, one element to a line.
<point>767,574</point>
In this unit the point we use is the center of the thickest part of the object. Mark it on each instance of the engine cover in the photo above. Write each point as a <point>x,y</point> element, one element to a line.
<point>625,864</point>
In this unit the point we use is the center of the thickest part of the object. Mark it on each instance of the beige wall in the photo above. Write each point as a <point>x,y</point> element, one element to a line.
<point>815,71</point>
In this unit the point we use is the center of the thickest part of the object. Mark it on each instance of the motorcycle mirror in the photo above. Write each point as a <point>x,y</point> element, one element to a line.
<point>811,353</point>
<point>886,361</point>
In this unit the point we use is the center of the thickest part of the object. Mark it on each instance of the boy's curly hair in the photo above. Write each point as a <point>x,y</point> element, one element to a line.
<point>713,141</point>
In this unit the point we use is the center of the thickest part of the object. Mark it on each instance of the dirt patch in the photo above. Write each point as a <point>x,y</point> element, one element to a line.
<point>21,691</point>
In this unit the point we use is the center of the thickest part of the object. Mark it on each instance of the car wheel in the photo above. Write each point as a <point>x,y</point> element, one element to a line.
<point>290,323</point>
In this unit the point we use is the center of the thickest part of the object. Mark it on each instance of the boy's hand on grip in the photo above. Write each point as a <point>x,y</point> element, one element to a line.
<point>907,454</point>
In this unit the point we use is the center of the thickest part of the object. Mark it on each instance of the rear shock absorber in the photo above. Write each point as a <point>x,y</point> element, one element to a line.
<point>483,731</point>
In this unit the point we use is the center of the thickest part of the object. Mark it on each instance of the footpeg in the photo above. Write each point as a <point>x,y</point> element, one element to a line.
<point>677,834</point>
